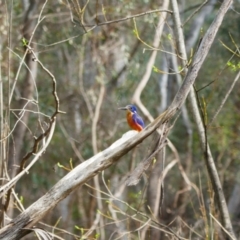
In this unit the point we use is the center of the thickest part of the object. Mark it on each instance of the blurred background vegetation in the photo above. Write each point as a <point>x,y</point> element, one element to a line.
<point>86,59</point>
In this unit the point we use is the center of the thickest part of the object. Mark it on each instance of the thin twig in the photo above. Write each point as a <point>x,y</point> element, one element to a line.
<point>42,136</point>
<point>136,211</point>
<point>197,10</point>
<point>225,98</point>
<point>127,18</point>
<point>228,233</point>
<point>13,181</point>
<point>26,52</point>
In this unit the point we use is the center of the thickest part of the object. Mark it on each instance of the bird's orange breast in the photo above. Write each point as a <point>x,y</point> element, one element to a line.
<point>131,122</point>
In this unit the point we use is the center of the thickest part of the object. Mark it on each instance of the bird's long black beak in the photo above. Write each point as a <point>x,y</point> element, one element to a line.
<point>123,108</point>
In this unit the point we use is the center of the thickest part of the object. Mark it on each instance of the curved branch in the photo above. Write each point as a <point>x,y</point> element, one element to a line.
<point>142,84</point>
<point>164,11</point>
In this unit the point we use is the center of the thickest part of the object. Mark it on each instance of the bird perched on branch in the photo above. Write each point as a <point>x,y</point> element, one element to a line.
<point>134,120</point>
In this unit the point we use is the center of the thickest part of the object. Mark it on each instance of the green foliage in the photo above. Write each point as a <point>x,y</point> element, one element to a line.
<point>24,42</point>
<point>233,67</point>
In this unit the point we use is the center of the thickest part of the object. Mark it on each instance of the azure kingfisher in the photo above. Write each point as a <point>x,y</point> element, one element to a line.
<point>134,120</point>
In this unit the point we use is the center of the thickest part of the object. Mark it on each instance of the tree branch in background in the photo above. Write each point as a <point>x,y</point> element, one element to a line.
<point>194,13</point>
<point>143,166</point>
<point>5,118</point>
<point>36,151</point>
<point>212,171</point>
<point>95,151</point>
<point>165,11</point>
<point>203,12</point>
<point>225,98</point>
<point>15,146</point>
<point>143,82</point>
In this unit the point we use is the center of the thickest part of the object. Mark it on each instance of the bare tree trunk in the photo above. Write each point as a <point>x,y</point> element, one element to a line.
<point>163,83</point>
<point>3,144</point>
<point>27,89</point>
<point>4,115</point>
<point>191,39</point>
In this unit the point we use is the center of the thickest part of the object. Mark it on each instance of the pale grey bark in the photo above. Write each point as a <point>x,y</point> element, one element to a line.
<point>163,83</point>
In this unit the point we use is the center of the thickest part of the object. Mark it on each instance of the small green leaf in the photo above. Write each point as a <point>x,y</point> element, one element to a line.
<point>24,42</point>
<point>71,164</point>
<point>233,66</point>
<point>155,69</point>
<point>180,68</point>
<point>97,235</point>
<point>80,229</point>
<point>60,165</point>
